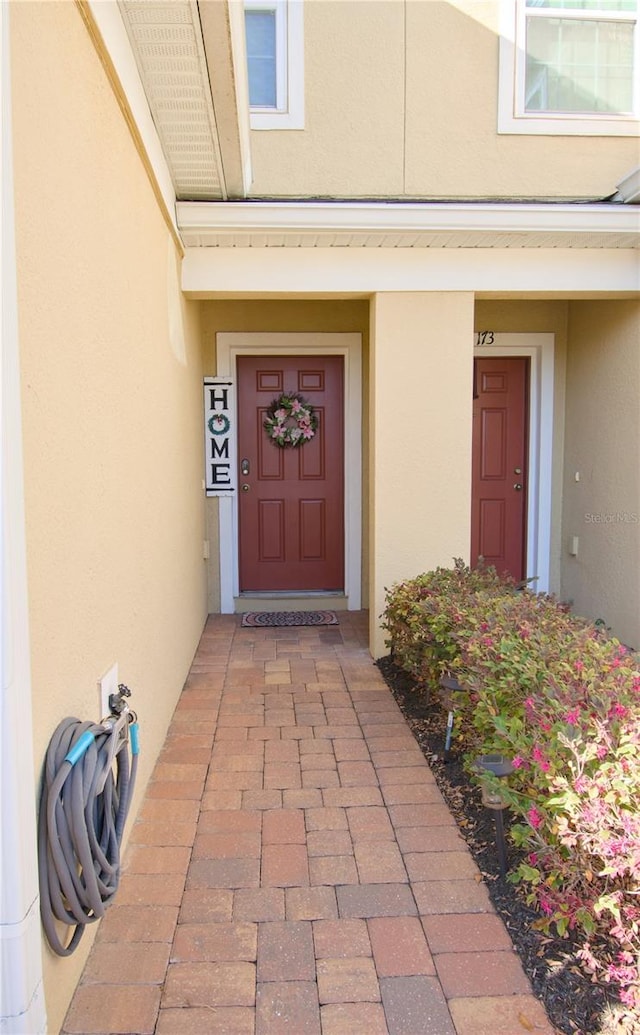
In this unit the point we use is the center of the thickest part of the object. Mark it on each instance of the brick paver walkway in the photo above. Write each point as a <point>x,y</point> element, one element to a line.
<point>294,869</point>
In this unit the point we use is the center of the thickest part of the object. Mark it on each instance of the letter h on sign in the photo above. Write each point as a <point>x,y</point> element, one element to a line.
<point>219,437</point>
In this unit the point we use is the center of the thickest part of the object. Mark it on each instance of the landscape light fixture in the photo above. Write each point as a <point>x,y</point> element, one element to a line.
<point>492,798</point>
<point>448,686</point>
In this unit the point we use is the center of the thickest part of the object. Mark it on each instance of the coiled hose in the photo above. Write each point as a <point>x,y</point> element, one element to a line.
<point>83,810</point>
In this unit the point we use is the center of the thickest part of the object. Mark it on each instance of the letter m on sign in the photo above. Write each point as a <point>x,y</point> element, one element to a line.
<point>220,466</point>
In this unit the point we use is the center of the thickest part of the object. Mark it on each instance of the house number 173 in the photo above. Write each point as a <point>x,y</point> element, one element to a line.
<point>485,338</point>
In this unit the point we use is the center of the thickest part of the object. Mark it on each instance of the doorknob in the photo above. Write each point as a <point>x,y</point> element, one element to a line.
<point>245,487</point>
<point>517,487</point>
<point>244,468</point>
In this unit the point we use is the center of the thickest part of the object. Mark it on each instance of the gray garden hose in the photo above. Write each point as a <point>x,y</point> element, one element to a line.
<point>83,810</point>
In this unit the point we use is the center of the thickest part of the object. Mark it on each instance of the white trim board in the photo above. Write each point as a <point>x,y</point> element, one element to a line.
<point>229,347</point>
<point>495,217</point>
<point>316,272</point>
<point>539,349</point>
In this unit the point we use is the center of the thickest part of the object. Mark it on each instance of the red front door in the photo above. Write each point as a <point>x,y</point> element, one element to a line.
<point>291,500</point>
<point>499,480</point>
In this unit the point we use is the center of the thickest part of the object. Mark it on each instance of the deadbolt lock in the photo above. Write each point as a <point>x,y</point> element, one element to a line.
<point>245,487</point>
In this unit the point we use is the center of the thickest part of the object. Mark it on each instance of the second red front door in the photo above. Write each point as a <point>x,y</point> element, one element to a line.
<point>499,479</point>
<point>291,500</point>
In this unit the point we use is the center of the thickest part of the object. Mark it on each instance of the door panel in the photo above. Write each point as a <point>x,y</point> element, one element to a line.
<point>499,485</point>
<point>291,515</point>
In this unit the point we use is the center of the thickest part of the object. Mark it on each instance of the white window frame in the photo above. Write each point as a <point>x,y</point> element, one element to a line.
<point>289,110</point>
<point>512,117</point>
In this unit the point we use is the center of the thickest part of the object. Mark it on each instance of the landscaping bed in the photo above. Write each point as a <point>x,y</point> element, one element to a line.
<point>575,1004</point>
<point>547,719</point>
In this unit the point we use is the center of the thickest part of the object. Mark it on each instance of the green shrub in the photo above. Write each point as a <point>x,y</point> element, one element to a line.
<point>422,614</point>
<point>560,700</point>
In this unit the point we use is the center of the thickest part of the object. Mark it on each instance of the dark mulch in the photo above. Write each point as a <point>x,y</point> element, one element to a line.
<point>575,1005</point>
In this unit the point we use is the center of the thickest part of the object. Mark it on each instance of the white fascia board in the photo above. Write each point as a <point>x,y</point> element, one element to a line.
<point>397,217</point>
<point>222,27</point>
<point>287,272</point>
<point>108,20</point>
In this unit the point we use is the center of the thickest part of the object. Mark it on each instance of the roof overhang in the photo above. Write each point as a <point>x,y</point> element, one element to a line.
<point>353,224</point>
<point>191,60</point>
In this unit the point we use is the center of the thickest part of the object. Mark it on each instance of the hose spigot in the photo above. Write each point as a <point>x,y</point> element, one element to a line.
<point>117,702</point>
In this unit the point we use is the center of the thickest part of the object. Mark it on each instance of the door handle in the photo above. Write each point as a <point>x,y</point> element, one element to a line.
<point>244,468</point>
<point>518,487</point>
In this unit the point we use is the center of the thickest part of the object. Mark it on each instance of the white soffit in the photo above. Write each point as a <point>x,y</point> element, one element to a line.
<point>410,225</point>
<point>166,39</point>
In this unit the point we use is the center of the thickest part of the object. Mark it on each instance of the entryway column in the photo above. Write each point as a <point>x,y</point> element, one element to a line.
<point>421,373</point>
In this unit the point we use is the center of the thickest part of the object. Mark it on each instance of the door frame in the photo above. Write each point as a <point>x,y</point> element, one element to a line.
<point>230,345</point>
<point>540,350</point>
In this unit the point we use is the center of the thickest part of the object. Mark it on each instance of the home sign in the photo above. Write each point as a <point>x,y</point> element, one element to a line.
<point>219,437</point>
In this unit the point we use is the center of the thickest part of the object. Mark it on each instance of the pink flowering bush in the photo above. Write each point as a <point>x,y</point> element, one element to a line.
<point>561,701</point>
<point>422,615</point>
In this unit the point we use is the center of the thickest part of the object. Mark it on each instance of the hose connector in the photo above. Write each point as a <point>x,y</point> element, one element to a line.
<point>117,701</point>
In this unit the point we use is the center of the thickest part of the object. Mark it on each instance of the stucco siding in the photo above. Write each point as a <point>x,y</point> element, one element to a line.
<point>401,100</point>
<point>352,143</point>
<point>420,458</point>
<point>602,465</point>
<point>111,379</point>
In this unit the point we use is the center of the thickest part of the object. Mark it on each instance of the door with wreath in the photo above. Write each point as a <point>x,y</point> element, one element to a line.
<point>291,473</point>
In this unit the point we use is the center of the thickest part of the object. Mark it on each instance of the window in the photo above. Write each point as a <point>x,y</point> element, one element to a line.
<point>275,60</point>
<point>570,66</point>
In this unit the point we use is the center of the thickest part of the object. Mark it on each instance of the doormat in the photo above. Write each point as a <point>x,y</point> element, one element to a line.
<point>274,619</point>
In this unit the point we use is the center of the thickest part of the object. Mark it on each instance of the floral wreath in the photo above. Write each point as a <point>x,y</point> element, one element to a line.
<point>290,420</point>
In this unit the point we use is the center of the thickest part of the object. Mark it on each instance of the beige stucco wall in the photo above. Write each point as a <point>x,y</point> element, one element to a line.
<point>524,316</point>
<point>602,508</point>
<point>111,372</point>
<point>286,316</point>
<point>546,317</point>
<point>420,449</point>
<point>401,99</point>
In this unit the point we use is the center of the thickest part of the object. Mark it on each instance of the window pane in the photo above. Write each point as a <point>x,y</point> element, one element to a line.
<point>260,29</point>
<point>586,5</point>
<point>579,66</point>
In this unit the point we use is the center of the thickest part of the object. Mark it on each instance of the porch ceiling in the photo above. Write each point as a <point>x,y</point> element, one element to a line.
<point>350,224</point>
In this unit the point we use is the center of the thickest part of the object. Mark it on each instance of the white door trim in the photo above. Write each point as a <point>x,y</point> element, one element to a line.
<point>539,348</point>
<point>229,347</point>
